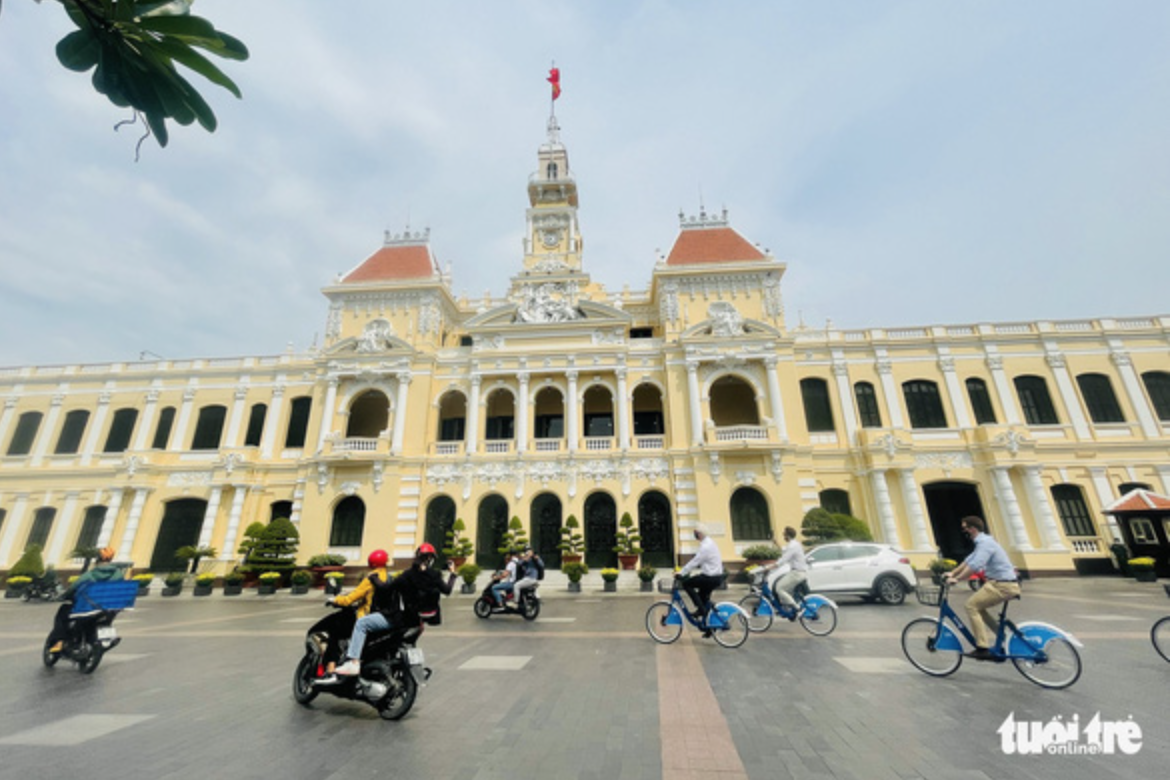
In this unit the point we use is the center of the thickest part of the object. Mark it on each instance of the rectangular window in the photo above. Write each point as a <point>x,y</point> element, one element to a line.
<point>1158,386</point>
<point>298,422</point>
<point>71,432</point>
<point>499,428</point>
<point>25,434</point>
<point>209,429</point>
<point>647,423</point>
<point>818,411</point>
<point>550,426</point>
<point>1100,399</point>
<point>599,425</point>
<point>924,405</point>
<point>121,429</point>
<point>255,425</point>
<point>641,333</point>
<point>162,432</point>
<point>91,527</point>
<point>451,429</point>
<point>867,405</point>
<point>1074,514</point>
<point>980,402</point>
<point>1035,401</point>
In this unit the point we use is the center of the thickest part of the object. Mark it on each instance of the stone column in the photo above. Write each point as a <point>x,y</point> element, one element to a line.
<point>209,516</point>
<point>774,400</point>
<point>955,391</point>
<point>522,414</point>
<point>572,413</point>
<point>229,540</point>
<point>62,529</point>
<point>404,379</point>
<point>1007,399</point>
<point>146,421</point>
<point>473,415</point>
<point>1105,497</point>
<point>623,411</point>
<point>845,400</point>
<point>1129,380</point>
<point>695,404</point>
<point>132,521</point>
<point>1042,509</point>
<point>236,418</point>
<point>111,518</point>
<point>179,434</point>
<point>885,507</point>
<point>919,536</point>
<point>275,412</point>
<point>45,434</point>
<point>1072,402</point>
<point>1013,518</point>
<point>327,413</point>
<point>892,395</point>
<point>12,524</point>
<point>6,419</point>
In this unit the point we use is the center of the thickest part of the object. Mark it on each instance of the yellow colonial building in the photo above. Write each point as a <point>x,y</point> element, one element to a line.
<point>690,400</point>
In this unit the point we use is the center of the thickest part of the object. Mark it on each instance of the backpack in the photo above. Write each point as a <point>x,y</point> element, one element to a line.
<point>538,564</point>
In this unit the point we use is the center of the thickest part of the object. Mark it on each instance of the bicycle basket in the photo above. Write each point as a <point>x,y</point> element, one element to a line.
<point>929,597</point>
<point>757,576</point>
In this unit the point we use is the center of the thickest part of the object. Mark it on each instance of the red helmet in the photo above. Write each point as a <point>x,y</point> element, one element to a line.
<point>426,548</point>
<point>378,559</point>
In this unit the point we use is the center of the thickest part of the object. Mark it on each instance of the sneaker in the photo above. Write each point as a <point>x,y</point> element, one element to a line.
<point>351,668</point>
<point>707,634</point>
<point>329,679</point>
<point>982,654</point>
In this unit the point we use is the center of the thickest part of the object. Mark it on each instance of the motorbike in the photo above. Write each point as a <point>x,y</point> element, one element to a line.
<point>43,588</point>
<point>91,633</point>
<point>392,667</point>
<point>529,606</point>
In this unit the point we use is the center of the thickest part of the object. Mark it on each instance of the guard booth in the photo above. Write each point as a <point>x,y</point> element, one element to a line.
<point>1144,520</point>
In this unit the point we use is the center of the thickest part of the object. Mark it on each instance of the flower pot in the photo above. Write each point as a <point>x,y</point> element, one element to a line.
<point>628,562</point>
<point>332,586</point>
<point>570,558</point>
<point>201,590</point>
<point>14,592</point>
<point>300,590</point>
<point>458,560</point>
<point>265,589</point>
<point>321,571</point>
<point>233,589</point>
<point>647,586</point>
<point>574,587</point>
<point>143,591</point>
<point>1148,575</point>
<point>609,587</point>
<point>172,590</point>
<point>467,587</point>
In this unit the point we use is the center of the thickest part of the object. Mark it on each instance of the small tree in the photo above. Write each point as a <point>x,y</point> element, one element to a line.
<point>572,542</point>
<point>458,545</point>
<point>86,554</point>
<point>853,528</point>
<point>31,564</point>
<point>193,554</point>
<point>277,548</point>
<point>627,537</point>
<point>514,538</point>
<point>252,536</point>
<point>820,525</point>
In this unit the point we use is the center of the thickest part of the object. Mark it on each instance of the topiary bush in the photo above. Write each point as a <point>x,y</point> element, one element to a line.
<point>276,550</point>
<point>31,564</point>
<point>514,538</point>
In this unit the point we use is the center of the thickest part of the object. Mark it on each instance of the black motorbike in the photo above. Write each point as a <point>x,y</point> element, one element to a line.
<point>529,606</point>
<point>391,666</point>
<point>43,588</point>
<point>91,633</point>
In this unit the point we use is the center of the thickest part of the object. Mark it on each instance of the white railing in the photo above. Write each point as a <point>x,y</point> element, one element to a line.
<point>1090,545</point>
<point>598,443</point>
<point>649,442</point>
<point>548,445</point>
<point>497,446</point>
<point>356,444</point>
<point>448,447</point>
<point>741,433</point>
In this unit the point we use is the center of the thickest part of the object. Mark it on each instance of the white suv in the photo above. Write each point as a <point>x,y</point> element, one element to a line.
<point>871,570</point>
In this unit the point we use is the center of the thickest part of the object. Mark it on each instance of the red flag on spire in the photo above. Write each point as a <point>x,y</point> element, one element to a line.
<point>554,78</point>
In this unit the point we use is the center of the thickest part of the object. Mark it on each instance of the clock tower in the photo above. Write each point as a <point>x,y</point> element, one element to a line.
<point>553,241</point>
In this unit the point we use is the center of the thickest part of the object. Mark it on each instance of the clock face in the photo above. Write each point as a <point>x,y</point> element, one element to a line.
<point>551,238</point>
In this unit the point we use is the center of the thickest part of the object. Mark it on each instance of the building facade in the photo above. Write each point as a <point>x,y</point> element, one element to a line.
<point>691,400</point>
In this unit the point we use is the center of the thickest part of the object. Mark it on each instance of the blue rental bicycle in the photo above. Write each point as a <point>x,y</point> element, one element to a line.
<point>727,622</point>
<point>1160,633</point>
<point>817,614</point>
<point>1043,653</point>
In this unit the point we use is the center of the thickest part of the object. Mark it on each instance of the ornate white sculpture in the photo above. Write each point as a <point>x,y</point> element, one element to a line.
<point>375,337</point>
<point>548,302</point>
<point>726,320</point>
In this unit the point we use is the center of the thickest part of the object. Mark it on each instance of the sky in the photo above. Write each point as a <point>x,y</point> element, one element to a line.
<point>913,163</point>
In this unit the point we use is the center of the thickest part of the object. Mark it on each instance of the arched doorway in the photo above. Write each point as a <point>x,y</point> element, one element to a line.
<point>369,415</point>
<point>491,525</point>
<point>349,523</point>
<point>545,522</point>
<point>654,523</point>
<point>181,523</point>
<point>733,402</point>
<point>440,519</point>
<point>750,519</point>
<point>600,531</point>
<point>948,503</point>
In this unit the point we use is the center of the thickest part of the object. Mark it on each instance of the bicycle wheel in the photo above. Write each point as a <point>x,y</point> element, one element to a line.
<point>1160,636</point>
<point>756,622</point>
<point>731,629</point>
<point>821,624</point>
<point>663,622</point>
<point>1058,667</point>
<point>918,643</point>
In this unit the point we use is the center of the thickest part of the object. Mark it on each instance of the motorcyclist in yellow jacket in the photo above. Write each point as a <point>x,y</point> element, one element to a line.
<point>362,596</point>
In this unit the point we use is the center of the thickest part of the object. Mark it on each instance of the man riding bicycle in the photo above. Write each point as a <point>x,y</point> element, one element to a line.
<point>784,582</point>
<point>710,565</point>
<point>1002,585</point>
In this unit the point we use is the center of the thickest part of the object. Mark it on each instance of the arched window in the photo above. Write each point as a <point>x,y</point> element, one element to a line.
<point>452,416</point>
<point>491,524</point>
<point>1074,513</point>
<point>298,422</point>
<point>162,432</point>
<point>647,408</point>
<point>121,429</point>
<point>818,410</point>
<point>42,524</point>
<point>25,434</point>
<point>91,527</point>
<point>733,402</point>
<point>551,171</point>
<point>71,432</point>
<point>440,520</point>
<point>280,509</point>
<point>209,429</point>
<point>1100,399</point>
<point>349,520</point>
<point>1129,487</point>
<point>1035,401</point>
<point>923,404</point>
<point>867,405</point>
<point>836,501</point>
<point>255,425</point>
<point>600,530</point>
<point>500,416</point>
<point>980,401</point>
<point>1158,386</point>
<point>750,520</point>
<point>597,408</point>
<point>550,414</point>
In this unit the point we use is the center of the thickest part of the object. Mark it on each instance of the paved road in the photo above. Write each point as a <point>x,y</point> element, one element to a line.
<point>201,687</point>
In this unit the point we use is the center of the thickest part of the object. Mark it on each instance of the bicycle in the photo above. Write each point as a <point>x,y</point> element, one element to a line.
<point>817,614</point>
<point>1043,653</point>
<point>1160,633</point>
<point>726,622</point>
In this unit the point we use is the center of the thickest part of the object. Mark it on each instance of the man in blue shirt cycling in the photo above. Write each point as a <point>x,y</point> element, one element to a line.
<point>1002,584</point>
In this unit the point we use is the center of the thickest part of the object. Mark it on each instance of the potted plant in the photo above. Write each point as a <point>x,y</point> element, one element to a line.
<point>1143,569</point>
<point>333,582</point>
<point>15,586</point>
<point>609,576</point>
<point>144,579</point>
<point>459,548</point>
<point>173,584</point>
<point>300,580</point>
<point>269,582</point>
<point>233,583</point>
<point>646,575</point>
<point>193,554</point>
<point>87,555</point>
<point>324,563</point>
<point>203,584</point>
<point>626,542</point>
<point>468,571</point>
<point>939,567</point>
<point>575,570</point>
<point>514,538</point>
<point>572,544</point>
<point>30,565</point>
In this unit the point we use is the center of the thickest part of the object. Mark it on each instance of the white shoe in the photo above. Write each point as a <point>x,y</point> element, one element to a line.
<point>350,668</point>
<point>329,679</point>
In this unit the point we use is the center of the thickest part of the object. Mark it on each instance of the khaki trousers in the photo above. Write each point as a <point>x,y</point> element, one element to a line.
<point>983,624</point>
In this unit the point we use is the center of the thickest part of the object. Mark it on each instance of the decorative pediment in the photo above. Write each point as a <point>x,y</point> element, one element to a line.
<point>366,345</point>
<point>725,326</point>
<point>512,315</point>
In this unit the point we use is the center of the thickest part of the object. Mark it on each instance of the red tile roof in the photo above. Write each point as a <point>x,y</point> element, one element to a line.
<point>1138,501</point>
<point>395,262</point>
<point>711,245</point>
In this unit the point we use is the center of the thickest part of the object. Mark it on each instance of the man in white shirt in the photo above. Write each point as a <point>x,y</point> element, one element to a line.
<point>710,565</point>
<point>790,569</point>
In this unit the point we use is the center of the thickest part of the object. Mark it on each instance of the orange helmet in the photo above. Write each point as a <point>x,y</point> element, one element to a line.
<point>378,559</point>
<point>106,554</point>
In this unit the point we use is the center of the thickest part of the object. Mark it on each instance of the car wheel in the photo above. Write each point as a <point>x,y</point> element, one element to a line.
<point>890,590</point>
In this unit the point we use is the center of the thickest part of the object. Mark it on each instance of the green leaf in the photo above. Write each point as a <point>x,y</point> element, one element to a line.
<point>228,47</point>
<point>184,54</point>
<point>79,50</point>
<point>180,26</point>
